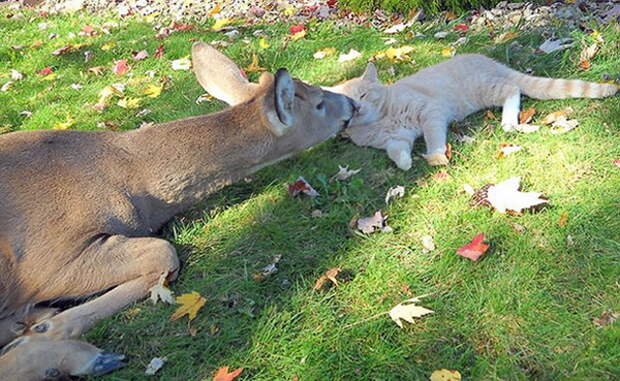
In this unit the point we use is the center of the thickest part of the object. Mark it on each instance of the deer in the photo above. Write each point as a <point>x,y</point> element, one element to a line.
<point>80,210</point>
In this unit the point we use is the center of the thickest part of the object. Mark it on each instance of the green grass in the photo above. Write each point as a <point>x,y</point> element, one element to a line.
<point>524,312</point>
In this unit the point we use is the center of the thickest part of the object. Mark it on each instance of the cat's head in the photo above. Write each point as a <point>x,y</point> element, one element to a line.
<point>368,91</point>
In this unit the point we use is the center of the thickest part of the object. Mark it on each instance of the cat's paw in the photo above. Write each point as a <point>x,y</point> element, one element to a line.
<point>508,127</point>
<point>403,161</point>
<point>436,159</point>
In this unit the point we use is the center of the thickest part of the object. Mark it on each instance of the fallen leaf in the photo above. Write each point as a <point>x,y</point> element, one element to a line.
<point>120,67</point>
<point>344,173</point>
<point>616,163</point>
<point>129,103</point>
<point>329,275</point>
<point>64,125</point>
<point>585,65</point>
<point>301,186</point>
<point>396,28</point>
<point>152,91</point>
<point>489,115</point>
<point>506,197</point>
<point>220,23</point>
<point>606,318</point>
<point>108,46</point>
<point>525,116</point>
<point>407,310</point>
<point>222,374</point>
<point>7,86</point>
<point>63,50</point>
<point>96,70</point>
<point>589,52</point>
<point>190,305</point>
<point>268,270</point>
<point>263,43</point>
<point>428,244</point>
<point>320,54</point>
<point>159,52</point>
<point>298,35</point>
<point>506,149</point>
<point>461,27</point>
<point>204,98</point>
<point>45,71</point>
<point>562,125</point>
<point>563,219</point>
<point>156,364</point>
<point>181,27</point>
<point>350,56</point>
<point>216,10</point>
<point>468,189</point>
<point>316,213</point>
<point>161,292</point>
<point>440,35</point>
<point>76,86</point>
<point>88,31</point>
<point>16,76</point>
<point>517,227</point>
<point>139,56</point>
<point>505,37</point>
<point>397,191</point>
<point>448,52</point>
<point>446,375</point>
<point>552,45</point>
<point>181,64</point>
<point>297,29</point>
<point>373,223</point>
<point>441,176</point>
<point>397,54</point>
<point>254,67</point>
<point>556,115</point>
<point>475,249</point>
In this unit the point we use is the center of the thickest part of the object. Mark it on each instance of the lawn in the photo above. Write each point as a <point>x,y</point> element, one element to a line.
<point>523,312</point>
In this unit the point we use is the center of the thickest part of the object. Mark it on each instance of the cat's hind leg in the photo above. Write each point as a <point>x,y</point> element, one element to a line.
<point>435,129</point>
<point>511,98</point>
<point>400,152</point>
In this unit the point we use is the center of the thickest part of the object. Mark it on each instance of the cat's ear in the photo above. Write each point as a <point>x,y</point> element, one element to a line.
<point>371,73</point>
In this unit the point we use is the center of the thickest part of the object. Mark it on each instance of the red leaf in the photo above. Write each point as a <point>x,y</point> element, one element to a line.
<point>331,3</point>
<point>474,249</point>
<point>45,71</point>
<point>120,67</point>
<point>159,52</point>
<point>617,162</point>
<point>461,27</point>
<point>297,187</point>
<point>296,29</point>
<point>182,27</point>
<point>88,30</point>
<point>222,374</point>
<point>62,50</point>
<point>139,56</point>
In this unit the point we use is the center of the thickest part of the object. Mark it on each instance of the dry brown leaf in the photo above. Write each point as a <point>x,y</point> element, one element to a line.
<point>563,219</point>
<point>606,318</point>
<point>329,275</point>
<point>557,115</point>
<point>374,223</point>
<point>222,374</point>
<point>525,116</point>
<point>254,67</point>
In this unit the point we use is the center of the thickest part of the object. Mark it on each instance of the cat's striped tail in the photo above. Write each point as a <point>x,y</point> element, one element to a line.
<point>550,88</point>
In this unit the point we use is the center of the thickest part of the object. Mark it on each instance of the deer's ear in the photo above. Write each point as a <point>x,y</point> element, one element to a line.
<point>284,91</point>
<point>371,73</point>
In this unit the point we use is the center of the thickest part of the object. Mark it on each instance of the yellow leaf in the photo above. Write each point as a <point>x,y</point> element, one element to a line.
<point>448,52</point>
<point>398,54</point>
<point>129,103</point>
<point>290,10</point>
<point>563,219</point>
<point>217,9</point>
<point>254,67</point>
<point>151,17</point>
<point>446,375</point>
<point>50,77</point>
<point>320,54</point>
<point>505,37</point>
<point>190,304</point>
<point>152,91</point>
<point>64,125</point>
<point>108,46</point>
<point>263,43</point>
<point>298,35</point>
<point>220,23</point>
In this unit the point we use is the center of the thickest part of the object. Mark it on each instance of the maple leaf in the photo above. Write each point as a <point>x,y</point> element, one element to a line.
<point>350,56</point>
<point>181,64</point>
<point>159,52</point>
<point>525,116</point>
<point>344,173</point>
<point>506,197</point>
<point>254,67</point>
<point>222,374</point>
<point>301,186</point>
<point>397,191</point>
<point>446,375</point>
<point>139,56</point>
<point>506,149</point>
<point>152,91</point>
<point>46,71</point>
<point>320,54</point>
<point>329,275</point>
<point>120,67</point>
<point>407,310</point>
<point>475,249</point>
<point>190,305</point>
<point>373,223</point>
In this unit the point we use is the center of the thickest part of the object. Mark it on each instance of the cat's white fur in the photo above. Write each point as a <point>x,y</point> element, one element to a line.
<point>424,103</point>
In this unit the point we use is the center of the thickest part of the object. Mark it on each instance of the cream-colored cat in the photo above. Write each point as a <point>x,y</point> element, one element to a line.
<point>424,103</point>
<point>393,116</point>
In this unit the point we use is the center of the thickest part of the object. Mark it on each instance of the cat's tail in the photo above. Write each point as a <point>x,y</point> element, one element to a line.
<point>551,88</point>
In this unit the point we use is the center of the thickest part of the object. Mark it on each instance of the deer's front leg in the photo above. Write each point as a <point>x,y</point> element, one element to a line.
<point>129,266</point>
<point>32,358</point>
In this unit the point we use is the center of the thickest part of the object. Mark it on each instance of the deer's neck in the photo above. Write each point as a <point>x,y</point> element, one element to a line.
<point>185,160</point>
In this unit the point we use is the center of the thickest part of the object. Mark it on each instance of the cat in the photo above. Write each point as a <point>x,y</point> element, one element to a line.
<point>393,116</point>
<point>424,103</point>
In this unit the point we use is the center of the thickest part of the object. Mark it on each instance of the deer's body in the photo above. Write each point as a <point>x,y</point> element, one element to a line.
<point>78,209</point>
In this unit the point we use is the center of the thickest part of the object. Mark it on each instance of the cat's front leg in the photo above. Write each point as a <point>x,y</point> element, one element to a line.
<point>400,153</point>
<point>435,134</point>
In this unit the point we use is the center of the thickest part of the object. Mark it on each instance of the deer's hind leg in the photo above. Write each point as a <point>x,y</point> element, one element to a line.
<point>127,267</point>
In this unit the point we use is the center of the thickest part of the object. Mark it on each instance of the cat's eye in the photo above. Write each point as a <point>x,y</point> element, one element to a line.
<point>320,106</point>
<point>363,95</point>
